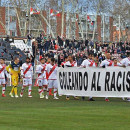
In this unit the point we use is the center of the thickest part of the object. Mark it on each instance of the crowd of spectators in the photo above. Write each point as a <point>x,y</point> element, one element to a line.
<point>61,48</point>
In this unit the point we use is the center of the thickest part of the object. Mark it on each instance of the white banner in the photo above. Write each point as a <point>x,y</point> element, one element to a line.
<point>95,82</point>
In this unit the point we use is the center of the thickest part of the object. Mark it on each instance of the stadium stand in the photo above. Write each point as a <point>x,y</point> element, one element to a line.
<point>9,50</point>
<point>21,45</point>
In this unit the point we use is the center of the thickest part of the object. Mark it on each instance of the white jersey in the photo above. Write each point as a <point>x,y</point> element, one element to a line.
<point>125,61</point>
<point>88,63</point>
<point>39,69</point>
<point>106,63</point>
<point>29,72</point>
<point>85,63</point>
<point>68,64</point>
<point>52,72</point>
<point>118,64</point>
<point>3,71</point>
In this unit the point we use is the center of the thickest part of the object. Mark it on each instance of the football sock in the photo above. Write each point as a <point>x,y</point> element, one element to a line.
<point>44,90</point>
<point>15,90</point>
<point>12,90</point>
<point>40,91</point>
<point>22,90</point>
<point>47,92</point>
<point>106,97</point>
<point>3,90</point>
<point>50,91</point>
<point>55,92</point>
<point>29,90</point>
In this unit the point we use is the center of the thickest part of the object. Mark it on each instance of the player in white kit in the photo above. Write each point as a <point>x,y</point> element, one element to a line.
<point>126,62</point>
<point>3,73</point>
<point>27,74</point>
<point>41,80</point>
<point>105,63</point>
<point>52,77</point>
<point>89,63</point>
<point>70,63</point>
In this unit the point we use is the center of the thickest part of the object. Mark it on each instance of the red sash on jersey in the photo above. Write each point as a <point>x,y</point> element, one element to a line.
<point>36,81</point>
<point>27,69</point>
<point>47,75</point>
<point>47,72</point>
<point>44,67</point>
<point>2,69</point>
<point>72,64</point>
<point>115,65</point>
<point>110,63</point>
<point>96,64</point>
<point>91,63</point>
<point>52,70</point>
<point>63,63</point>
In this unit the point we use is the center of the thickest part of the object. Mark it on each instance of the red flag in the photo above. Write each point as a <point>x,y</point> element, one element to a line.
<point>89,19</point>
<point>54,13</point>
<point>91,22</point>
<point>34,11</point>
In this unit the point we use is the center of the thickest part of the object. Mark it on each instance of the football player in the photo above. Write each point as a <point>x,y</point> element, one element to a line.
<point>41,80</point>
<point>14,71</point>
<point>52,77</point>
<point>3,73</point>
<point>26,75</point>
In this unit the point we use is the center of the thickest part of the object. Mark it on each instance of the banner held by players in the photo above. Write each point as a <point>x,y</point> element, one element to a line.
<point>96,82</point>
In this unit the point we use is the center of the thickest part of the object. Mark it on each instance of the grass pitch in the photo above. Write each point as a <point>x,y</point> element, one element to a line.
<point>40,114</point>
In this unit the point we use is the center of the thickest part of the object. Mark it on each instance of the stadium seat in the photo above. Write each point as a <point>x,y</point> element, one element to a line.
<point>21,45</point>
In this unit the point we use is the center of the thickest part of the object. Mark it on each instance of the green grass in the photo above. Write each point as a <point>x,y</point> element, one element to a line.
<point>35,114</point>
